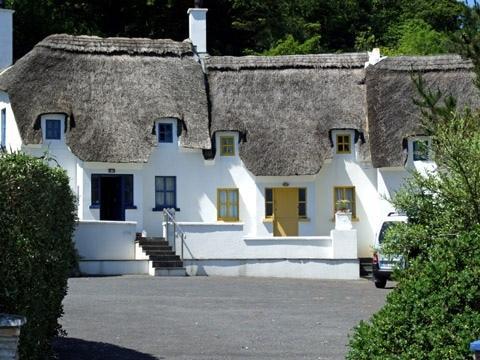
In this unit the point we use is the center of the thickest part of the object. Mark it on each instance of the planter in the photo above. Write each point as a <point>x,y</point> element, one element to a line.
<point>9,332</point>
<point>343,220</point>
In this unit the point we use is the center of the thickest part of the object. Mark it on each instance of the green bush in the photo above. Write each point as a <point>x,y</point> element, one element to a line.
<point>434,313</point>
<point>37,220</point>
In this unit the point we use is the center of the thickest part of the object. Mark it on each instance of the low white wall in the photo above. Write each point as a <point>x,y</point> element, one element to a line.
<point>114,267</point>
<point>227,241</point>
<point>284,268</point>
<point>105,240</point>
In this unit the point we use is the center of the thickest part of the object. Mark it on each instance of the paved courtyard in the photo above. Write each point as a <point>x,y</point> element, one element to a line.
<point>148,318</point>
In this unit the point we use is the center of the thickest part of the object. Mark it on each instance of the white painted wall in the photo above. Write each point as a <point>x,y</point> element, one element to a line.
<point>6,38</point>
<point>105,240</point>
<point>13,139</point>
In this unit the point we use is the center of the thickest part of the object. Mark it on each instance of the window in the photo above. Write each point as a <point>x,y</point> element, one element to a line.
<point>420,150</point>
<point>53,129</point>
<point>302,203</point>
<point>268,203</point>
<point>165,192</point>
<point>227,204</point>
<point>227,146</point>
<point>3,128</point>
<point>343,144</point>
<point>344,193</point>
<point>127,184</point>
<point>165,133</point>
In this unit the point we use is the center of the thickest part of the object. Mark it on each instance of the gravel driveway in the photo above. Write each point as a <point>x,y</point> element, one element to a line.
<point>146,318</point>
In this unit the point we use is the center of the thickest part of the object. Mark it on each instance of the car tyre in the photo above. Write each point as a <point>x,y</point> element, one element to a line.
<point>380,282</point>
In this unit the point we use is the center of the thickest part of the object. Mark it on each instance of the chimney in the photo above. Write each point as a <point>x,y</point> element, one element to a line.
<point>197,24</point>
<point>6,32</point>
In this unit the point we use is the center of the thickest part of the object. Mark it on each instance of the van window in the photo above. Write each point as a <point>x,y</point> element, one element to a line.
<point>385,226</point>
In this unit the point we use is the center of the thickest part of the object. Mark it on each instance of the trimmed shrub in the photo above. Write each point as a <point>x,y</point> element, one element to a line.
<point>37,220</point>
<point>434,313</point>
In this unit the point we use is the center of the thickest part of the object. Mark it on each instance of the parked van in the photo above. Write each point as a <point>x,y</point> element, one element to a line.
<point>383,266</point>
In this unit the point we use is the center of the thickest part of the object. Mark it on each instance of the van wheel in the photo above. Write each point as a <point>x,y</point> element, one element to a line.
<point>380,282</point>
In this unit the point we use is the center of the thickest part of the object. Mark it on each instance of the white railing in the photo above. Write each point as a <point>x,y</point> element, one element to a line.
<point>169,220</point>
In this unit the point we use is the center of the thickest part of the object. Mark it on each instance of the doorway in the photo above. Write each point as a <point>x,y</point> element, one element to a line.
<point>285,212</point>
<point>111,198</point>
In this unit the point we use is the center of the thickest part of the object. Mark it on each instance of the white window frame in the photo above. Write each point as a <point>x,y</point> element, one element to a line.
<point>173,122</point>
<point>413,139</point>
<point>61,118</point>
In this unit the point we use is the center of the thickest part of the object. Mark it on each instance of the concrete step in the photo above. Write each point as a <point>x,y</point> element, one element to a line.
<point>144,242</point>
<point>156,247</point>
<point>170,271</point>
<point>160,253</point>
<point>171,257</point>
<point>167,263</point>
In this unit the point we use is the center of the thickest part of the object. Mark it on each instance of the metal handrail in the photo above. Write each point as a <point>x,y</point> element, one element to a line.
<point>177,230</point>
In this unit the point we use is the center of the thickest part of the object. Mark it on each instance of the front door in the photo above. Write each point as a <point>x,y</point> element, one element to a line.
<point>111,199</point>
<point>285,212</point>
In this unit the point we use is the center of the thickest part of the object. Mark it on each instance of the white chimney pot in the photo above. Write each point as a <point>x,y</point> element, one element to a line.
<point>197,22</point>
<point>6,38</point>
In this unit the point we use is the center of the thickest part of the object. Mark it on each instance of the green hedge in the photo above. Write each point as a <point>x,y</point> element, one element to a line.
<point>37,220</point>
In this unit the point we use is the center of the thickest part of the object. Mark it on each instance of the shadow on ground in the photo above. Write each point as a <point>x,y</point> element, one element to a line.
<point>78,349</point>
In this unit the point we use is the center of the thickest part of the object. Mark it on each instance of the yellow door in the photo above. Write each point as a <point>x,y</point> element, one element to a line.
<point>285,212</point>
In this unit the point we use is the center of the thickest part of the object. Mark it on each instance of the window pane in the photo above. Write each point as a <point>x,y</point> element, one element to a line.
<point>128,189</point>
<point>223,197</point>
<point>420,150</point>
<point>165,133</point>
<point>233,211</point>
<point>302,194</point>
<point>159,183</point>
<point>223,211</point>
<point>52,129</point>
<point>170,183</point>
<point>95,189</point>
<point>302,209</point>
<point>268,209</point>
<point>232,197</point>
<point>268,195</point>
<point>170,199</point>
<point>159,199</point>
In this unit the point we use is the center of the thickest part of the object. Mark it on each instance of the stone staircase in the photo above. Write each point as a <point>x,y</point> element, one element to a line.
<point>164,260</point>
<point>366,268</point>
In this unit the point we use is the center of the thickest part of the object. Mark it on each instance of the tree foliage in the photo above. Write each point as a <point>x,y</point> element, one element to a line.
<point>237,27</point>
<point>434,313</point>
<point>37,219</point>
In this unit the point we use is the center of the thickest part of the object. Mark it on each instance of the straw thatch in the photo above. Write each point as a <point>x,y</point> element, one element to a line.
<point>285,106</point>
<point>113,90</point>
<point>392,114</point>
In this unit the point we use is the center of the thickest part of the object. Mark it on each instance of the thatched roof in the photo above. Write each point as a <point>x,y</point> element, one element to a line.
<point>392,114</point>
<point>285,107</point>
<point>113,90</point>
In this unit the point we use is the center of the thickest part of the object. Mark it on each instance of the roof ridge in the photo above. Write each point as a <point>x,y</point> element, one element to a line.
<point>116,45</point>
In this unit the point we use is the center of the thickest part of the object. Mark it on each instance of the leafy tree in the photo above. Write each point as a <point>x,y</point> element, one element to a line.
<point>435,310</point>
<point>37,220</point>
<point>416,37</point>
<point>289,46</point>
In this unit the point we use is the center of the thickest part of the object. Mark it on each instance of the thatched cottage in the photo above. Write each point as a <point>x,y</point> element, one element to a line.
<point>254,153</point>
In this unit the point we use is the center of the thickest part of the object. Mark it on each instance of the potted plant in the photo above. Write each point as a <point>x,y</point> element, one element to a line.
<point>343,215</point>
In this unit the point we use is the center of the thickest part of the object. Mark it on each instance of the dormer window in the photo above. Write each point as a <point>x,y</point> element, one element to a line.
<point>227,146</point>
<point>420,150</point>
<point>53,128</point>
<point>343,144</point>
<point>165,133</point>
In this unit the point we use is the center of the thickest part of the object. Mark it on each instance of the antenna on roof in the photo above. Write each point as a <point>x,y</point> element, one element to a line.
<point>197,3</point>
